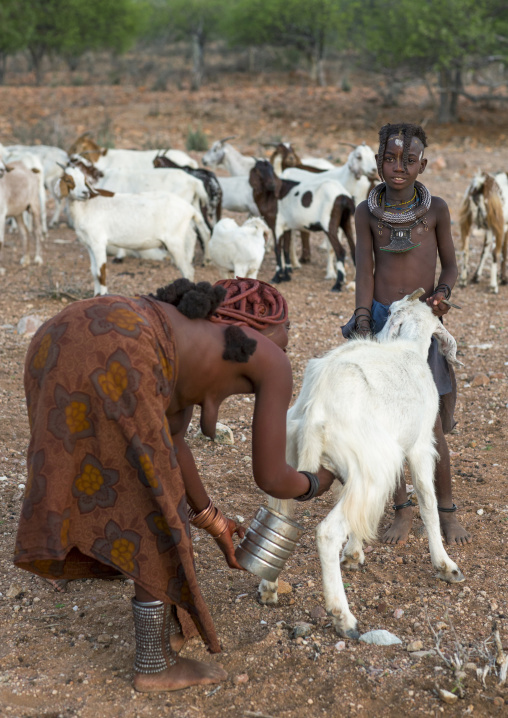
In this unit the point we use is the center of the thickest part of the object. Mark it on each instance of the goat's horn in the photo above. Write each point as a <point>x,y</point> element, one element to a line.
<point>61,165</point>
<point>349,144</point>
<point>270,144</point>
<point>225,139</point>
<point>414,296</point>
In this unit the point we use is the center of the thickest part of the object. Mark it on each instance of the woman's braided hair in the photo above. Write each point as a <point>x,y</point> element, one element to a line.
<point>235,302</point>
<point>404,129</point>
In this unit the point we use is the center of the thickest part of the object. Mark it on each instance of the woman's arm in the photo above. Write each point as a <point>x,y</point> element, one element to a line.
<point>197,496</point>
<point>273,388</point>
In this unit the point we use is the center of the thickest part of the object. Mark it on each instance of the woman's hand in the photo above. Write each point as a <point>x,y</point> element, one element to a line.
<point>326,479</point>
<point>225,543</point>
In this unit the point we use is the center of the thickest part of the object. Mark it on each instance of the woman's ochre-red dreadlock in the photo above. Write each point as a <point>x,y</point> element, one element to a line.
<point>250,302</point>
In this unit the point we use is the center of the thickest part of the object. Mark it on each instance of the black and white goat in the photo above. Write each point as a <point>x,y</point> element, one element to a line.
<point>352,417</point>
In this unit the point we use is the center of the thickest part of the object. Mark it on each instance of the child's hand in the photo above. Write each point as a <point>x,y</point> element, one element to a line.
<point>438,308</point>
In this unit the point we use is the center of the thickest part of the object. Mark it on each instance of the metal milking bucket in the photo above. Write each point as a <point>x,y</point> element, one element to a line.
<point>268,543</point>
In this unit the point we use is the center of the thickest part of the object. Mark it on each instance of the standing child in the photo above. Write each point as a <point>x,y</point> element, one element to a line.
<point>401,230</point>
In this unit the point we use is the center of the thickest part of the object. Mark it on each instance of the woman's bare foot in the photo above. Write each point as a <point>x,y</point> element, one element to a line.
<point>185,673</point>
<point>398,532</point>
<point>59,584</point>
<point>453,532</point>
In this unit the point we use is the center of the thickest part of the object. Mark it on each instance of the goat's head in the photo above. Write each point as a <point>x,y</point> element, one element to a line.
<point>87,147</point>
<point>262,178</point>
<point>410,319</point>
<point>286,155</point>
<point>215,155</point>
<point>362,161</point>
<point>73,184</point>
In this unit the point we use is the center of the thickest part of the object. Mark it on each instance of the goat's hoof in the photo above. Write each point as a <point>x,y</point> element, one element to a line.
<point>352,632</point>
<point>337,287</point>
<point>350,566</point>
<point>277,278</point>
<point>304,260</point>
<point>38,260</point>
<point>270,600</point>
<point>453,576</point>
<point>476,279</point>
<point>118,260</point>
<point>494,290</point>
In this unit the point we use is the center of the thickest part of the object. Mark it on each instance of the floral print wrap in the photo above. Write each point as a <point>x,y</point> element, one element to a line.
<point>104,492</point>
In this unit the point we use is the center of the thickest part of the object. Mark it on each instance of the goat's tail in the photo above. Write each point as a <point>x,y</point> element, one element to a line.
<point>369,485</point>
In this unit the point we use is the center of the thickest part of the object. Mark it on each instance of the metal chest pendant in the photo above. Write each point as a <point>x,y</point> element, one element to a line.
<point>400,237</point>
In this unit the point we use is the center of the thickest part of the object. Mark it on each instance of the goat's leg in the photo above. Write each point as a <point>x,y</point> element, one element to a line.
<point>98,264</point>
<point>464,260</point>
<point>281,275</point>
<point>2,235</point>
<point>267,590</point>
<point>340,256</point>
<point>504,277</point>
<point>352,556</point>
<point>496,251</point>
<point>485,250</point>
<point>292,251</point>
<point>305,255</point>
<point>421,464</point>
<point>25,255</point>
<point>331,535</point>
<point>38,234</point>
<point>287,237</point>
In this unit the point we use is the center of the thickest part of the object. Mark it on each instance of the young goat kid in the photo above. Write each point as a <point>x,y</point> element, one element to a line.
<point>363,409</point>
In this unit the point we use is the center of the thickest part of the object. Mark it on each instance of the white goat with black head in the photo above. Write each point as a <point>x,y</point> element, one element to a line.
<point>363,409</point>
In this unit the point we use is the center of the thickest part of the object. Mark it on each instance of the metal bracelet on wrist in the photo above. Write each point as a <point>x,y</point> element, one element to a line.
<point>313,489</point>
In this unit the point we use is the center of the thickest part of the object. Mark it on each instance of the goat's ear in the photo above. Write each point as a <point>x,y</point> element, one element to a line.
<point>447,345</point>
<point>63,188</point>
<point>414,296</point>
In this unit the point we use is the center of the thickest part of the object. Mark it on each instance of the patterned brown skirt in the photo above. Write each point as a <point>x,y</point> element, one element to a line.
<point>104,491</point>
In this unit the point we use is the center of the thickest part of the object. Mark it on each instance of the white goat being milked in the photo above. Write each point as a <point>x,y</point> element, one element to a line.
<point>239,250</point>
<point>363,409</point>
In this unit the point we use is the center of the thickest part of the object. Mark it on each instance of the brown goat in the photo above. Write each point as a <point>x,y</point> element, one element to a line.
<point>485,206</point>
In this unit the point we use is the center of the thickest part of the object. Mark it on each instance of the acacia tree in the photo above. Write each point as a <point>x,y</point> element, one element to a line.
<point>70,27</point>
<point>399,38</point>
<point>307,25</point>
<point>194,20</point>
<point>14,31</point>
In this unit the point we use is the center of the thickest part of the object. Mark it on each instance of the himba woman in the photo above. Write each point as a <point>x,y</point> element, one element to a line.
<point>110,384</point>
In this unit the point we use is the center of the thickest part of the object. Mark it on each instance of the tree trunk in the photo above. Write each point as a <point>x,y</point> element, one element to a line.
<point>3,66</point>
<point>449,85</point>
<point>37,55</point>
<point>198,51</point>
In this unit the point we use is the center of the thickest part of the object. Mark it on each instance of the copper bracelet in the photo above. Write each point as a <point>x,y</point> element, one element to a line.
<point>211,519</point>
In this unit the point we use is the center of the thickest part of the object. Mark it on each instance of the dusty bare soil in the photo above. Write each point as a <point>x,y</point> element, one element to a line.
<point>71,654</point>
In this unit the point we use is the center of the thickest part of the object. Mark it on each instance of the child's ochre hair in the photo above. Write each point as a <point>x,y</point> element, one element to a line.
<point>403,129</point>
<point>234,302</point>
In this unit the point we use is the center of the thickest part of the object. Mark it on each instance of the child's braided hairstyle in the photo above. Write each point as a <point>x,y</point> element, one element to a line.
<point>408,131</point>
<point>235,302</point>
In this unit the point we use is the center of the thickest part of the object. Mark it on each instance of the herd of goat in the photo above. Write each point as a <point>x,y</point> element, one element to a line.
<point>153,204</point>
<point>156,203</point>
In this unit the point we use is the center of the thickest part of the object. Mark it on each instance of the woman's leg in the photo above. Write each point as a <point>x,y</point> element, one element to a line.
<point>157,666</point>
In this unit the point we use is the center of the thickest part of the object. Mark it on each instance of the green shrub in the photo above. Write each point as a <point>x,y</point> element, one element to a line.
<point>196,140</point>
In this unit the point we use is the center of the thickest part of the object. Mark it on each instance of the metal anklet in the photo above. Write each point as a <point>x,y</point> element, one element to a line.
<point>448,511</point>
<point>405,505</point>
<point>154,623</point>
